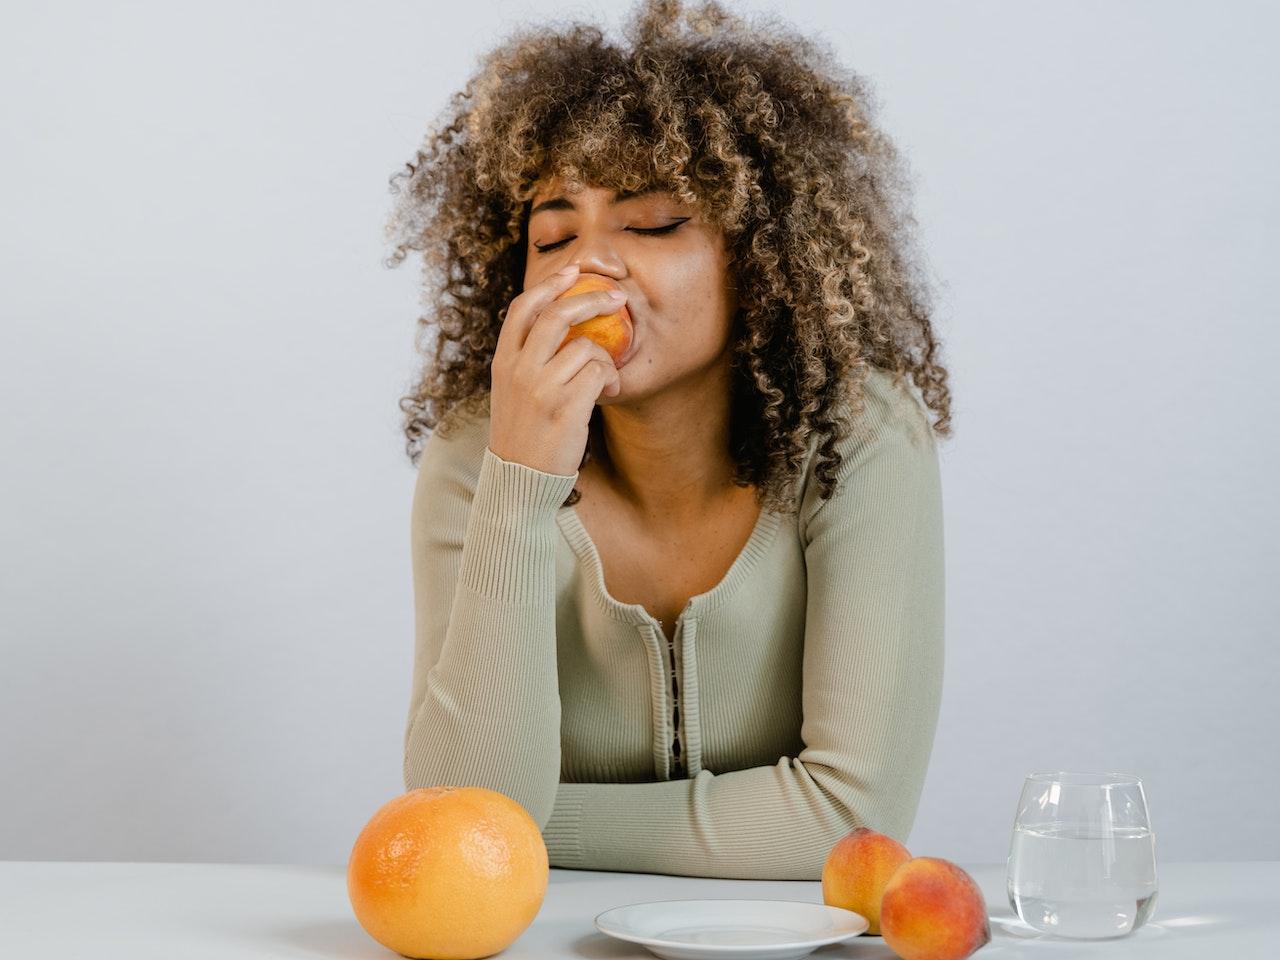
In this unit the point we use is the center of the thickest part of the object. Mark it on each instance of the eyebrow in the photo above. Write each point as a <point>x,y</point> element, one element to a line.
<point>563,203</point>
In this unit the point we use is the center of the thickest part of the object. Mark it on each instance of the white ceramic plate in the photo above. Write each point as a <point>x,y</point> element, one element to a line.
<point>737,929</point>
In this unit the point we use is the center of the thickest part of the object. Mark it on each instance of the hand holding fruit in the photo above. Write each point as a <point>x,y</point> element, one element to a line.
<point>613,331</point>
<point>546,383</point>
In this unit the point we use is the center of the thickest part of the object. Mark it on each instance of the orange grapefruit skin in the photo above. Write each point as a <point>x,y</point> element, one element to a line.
<point>448,873</point>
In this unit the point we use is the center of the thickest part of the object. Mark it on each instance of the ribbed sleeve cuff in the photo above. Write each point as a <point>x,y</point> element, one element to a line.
<point>563,833</point>
<point>510,539</point>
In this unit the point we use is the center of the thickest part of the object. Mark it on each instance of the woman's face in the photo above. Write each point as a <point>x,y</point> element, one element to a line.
<point>679,286</point>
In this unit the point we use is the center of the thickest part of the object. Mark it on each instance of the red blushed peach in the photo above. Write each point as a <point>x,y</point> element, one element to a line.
<point>857,870</point>
<point>613,331</point>
<point>933,910</point>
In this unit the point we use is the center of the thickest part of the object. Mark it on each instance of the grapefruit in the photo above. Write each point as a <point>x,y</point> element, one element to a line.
<point>448,873</point>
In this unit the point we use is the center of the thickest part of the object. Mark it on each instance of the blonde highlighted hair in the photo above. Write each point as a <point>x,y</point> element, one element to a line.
<point>766,135</point>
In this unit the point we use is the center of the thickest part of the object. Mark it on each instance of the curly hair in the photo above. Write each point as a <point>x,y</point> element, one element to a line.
<point>760,131</point>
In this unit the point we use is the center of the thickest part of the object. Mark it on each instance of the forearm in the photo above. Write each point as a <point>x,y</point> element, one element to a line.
<point>766,823</point>
<point>489,713</point>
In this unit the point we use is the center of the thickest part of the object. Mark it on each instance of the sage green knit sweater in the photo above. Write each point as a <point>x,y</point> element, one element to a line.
<point>805,688</point>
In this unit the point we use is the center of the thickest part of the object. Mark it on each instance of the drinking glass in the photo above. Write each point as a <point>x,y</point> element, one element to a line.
<point>1082,863</point>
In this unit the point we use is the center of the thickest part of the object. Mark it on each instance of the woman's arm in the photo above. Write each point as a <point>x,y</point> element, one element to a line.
<point>485,704</point>
<point>873,664</point>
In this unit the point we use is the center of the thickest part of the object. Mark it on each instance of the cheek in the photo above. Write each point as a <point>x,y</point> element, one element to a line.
<point>690,285</point>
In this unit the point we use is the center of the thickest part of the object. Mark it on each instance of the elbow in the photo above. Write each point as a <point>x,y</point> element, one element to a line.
<point>888,807</point>
<point>456,748</point>
<point>537,796</point>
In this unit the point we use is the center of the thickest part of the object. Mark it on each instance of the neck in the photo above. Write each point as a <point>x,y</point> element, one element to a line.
<point>668,456</point>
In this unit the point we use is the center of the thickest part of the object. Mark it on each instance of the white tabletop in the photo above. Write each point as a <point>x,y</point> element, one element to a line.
<point>187,911</point>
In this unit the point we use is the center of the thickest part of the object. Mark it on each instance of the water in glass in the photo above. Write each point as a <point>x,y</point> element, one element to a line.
<point>1082,859</point>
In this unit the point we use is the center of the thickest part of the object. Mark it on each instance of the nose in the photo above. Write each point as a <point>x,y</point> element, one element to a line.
<point>593,253</point>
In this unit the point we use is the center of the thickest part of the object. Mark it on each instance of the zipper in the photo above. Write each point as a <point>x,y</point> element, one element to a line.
<point>677,762</point>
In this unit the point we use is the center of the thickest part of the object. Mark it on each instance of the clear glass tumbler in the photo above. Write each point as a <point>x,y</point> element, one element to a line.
<point>1082,863</point>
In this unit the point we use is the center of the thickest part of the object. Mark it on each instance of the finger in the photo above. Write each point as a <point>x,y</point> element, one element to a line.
<point>524,308</point>
<point>553,326</point>
<point>573,356</point>
<point>590,381</point>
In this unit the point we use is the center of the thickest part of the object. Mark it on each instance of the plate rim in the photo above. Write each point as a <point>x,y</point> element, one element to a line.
<point>732,947</point>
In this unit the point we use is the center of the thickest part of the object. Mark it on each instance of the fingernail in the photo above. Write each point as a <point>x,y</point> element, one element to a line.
<point>572,268</point>
<point>617,295</point>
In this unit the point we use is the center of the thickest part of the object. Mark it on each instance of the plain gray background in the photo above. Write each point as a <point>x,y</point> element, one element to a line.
<point>205,582</point>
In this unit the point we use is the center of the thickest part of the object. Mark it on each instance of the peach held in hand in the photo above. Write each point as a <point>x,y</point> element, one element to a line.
<point>613,331</point>
<point>857,870</point>
<point>933,910</point>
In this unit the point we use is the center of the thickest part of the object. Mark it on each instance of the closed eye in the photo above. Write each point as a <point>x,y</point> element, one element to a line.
<point>651,231</point>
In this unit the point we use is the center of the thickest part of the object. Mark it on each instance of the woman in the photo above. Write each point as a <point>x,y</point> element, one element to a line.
<point>687,610</point>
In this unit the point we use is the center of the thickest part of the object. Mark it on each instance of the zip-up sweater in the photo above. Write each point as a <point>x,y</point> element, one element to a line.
<point>802,690</point>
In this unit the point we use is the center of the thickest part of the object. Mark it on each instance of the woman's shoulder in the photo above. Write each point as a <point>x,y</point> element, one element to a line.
<point>891,406</point>
<point>884,407</point>
<point>883,416</point>
<point>455,447</point>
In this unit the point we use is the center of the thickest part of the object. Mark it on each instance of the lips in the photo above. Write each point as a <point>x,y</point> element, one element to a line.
<point>631,350</point>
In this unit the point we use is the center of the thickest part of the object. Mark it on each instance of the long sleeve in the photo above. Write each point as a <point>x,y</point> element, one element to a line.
<point>485,705</point>
<point>872,685</point>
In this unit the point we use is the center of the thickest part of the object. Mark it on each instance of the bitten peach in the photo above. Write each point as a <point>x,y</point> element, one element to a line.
<point>857,870</point>
<point>933,910</point>
<point>613,331</point>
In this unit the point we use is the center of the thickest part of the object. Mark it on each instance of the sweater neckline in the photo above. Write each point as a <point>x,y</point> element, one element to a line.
<point>757,544</point>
